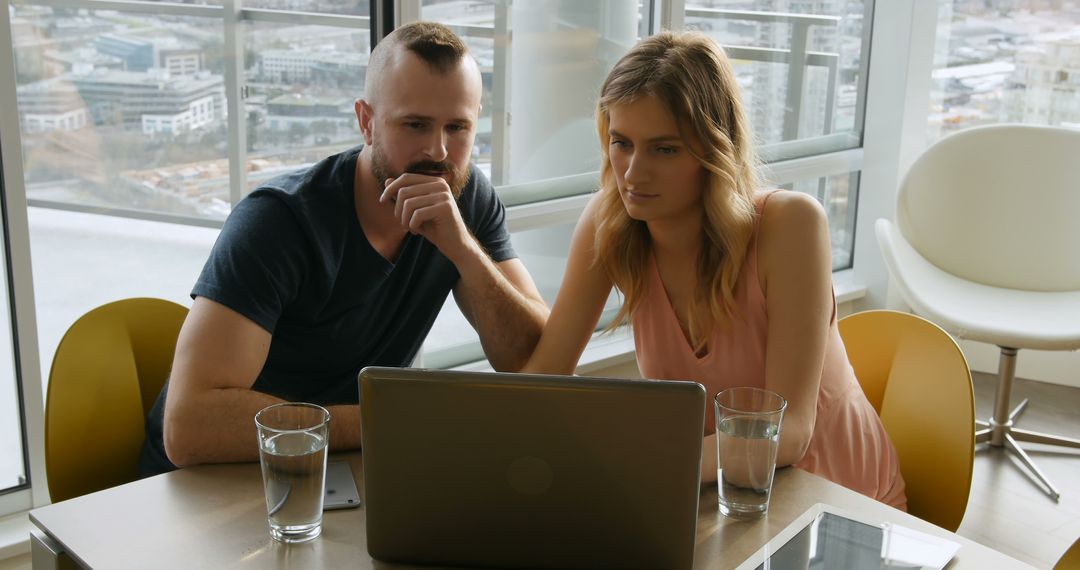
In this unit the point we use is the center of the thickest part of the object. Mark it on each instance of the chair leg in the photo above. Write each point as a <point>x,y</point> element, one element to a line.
<point>1019,409</point>
<point>1012,446</point>
<point>1001,422</point>
<point>999,431</point>
<point>1044,438</point>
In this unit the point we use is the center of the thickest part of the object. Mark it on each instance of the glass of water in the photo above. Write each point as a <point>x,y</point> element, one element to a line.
<point>747,436</point>
<point>292,450</point>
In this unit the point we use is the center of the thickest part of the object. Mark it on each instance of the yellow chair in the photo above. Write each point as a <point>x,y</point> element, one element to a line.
<point>106,374</point>
<point>918,380</point>
<point>1071,559</point>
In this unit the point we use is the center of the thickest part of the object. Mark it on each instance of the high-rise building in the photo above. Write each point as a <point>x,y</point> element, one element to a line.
<point>1046,85</point>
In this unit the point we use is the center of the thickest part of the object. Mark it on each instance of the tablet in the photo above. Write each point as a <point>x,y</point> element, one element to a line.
<point>828,537</point>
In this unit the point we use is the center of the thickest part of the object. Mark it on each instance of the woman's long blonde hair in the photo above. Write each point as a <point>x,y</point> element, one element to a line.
<point>689,74</point>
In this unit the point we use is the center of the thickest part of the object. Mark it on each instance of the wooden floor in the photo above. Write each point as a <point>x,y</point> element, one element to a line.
<point>1007,511</point>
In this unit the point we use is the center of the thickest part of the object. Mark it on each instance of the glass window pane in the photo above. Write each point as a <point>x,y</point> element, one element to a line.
<point>799,63</point>
<point>1005,62</point>
<point>538,122</point>
<point>341,7</point>
<point>302,83</point>
<point>82,261</point>
<point>453,341</point>
<point>122,110</point>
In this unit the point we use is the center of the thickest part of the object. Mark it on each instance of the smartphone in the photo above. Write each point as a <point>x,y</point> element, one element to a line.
<point>340,487</point>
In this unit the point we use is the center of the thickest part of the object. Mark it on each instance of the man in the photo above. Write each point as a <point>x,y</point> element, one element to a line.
<point>346,264</point>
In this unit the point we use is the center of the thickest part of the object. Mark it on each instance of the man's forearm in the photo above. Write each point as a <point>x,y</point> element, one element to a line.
<point>219,427</point>
<point>508,321</point>
<point>214,426</point>
<point>344,427</point>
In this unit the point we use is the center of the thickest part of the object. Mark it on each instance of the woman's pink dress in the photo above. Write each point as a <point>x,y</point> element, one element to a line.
<point>849,445</point>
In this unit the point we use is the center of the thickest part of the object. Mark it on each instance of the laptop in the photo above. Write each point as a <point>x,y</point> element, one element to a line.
<point>529,471</point>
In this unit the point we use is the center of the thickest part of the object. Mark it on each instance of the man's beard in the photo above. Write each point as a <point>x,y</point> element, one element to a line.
<point>458,179</point>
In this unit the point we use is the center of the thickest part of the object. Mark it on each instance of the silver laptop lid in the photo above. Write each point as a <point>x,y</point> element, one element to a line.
<point>507,470</point>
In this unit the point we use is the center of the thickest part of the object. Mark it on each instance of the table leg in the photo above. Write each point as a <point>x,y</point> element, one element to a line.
<point>47,554</point>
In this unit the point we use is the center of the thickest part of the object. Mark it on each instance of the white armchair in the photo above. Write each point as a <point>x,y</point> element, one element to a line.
<point>987,245</point>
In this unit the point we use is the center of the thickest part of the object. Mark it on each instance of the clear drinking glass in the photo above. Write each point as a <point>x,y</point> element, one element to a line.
<point>293,438</point>
<point>748,424</point>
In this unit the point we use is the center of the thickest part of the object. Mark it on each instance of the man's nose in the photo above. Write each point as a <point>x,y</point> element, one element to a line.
<point>436,146</point>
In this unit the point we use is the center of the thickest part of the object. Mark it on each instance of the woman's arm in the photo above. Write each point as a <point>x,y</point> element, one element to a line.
<point>578,306</point>
<point>796,270</point>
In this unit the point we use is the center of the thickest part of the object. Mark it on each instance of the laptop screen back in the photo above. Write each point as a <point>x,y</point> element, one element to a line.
<point>488,469</point>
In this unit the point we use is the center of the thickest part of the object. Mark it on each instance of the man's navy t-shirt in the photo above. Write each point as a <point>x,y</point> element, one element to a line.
<point>292,258</point>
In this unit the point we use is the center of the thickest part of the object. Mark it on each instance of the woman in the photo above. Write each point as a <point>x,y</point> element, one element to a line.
<point>724,284</point>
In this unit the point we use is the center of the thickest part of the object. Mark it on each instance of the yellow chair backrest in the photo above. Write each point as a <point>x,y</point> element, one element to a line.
<point>1071,559</point>
<point>106,374</point>
<point>918,380</point>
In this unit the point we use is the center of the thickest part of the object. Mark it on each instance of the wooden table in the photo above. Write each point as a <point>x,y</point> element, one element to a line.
<point>214,516</point>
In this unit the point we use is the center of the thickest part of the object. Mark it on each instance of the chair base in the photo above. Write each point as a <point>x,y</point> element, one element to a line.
<point>999,431</point>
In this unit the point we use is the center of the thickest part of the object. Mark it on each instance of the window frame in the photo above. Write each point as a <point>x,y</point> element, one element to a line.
<point>16,255</point>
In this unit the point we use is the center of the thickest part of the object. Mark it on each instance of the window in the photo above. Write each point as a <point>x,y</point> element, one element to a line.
<point>123,111</point>
<point>800,64</point>
<point>998,62</point>
<point>301,83</point>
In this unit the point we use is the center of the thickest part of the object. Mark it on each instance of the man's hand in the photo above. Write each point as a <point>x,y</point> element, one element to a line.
<point>425,206</point>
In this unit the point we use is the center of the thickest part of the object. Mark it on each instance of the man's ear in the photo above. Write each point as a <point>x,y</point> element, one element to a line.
<point>365,117</point>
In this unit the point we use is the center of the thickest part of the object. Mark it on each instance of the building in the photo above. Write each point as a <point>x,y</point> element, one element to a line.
<point>142,53</point>
<point>169,103</point>
<point>1045,86</point>
<point>51,105</point>
<point>305,65</point>
<point>79,60</point>
<point>198,113</point>
<point>294,110</point>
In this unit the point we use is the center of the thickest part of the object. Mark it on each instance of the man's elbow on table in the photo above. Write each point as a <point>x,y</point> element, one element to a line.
<point>181,446</point>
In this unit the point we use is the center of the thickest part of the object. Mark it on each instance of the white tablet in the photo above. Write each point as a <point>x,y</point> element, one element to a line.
<point>828,537</point>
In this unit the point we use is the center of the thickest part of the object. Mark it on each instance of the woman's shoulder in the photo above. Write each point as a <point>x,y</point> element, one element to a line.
<point>789,222</point>
<point>787,210</point>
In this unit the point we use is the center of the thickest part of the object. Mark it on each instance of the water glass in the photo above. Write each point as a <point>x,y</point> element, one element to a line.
<point>292,450</point>
<point>748,424</point>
